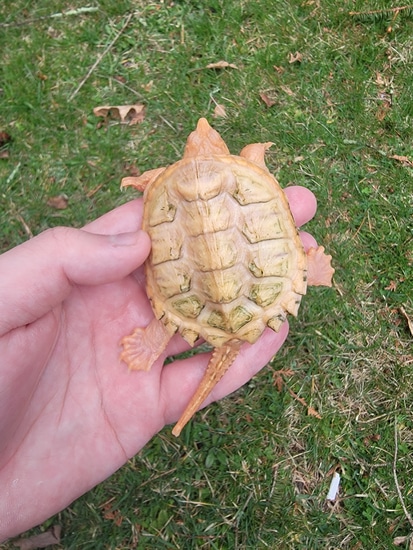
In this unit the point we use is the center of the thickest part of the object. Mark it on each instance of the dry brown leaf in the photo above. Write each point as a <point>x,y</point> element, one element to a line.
<point>48,538</point>
<point>131,114</point>
<point>110,514</point>
<point>310,410</point>
<point>219,111</point>
<point>287,90</point>
<point>221,65</point>
<point>59,202</point>
<point>404,160</point>
<point>278,379</point>
<point>382,111</point>
<point>295,57</point>
<point>267,100</point>
<point>148,86</point>
<point>392,286</point>
<point>313,412</point>
<point>4,138</point>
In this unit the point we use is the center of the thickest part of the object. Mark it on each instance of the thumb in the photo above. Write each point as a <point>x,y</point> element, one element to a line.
<point>38,274</point>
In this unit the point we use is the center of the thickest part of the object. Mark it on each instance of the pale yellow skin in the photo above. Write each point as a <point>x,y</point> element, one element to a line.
<point>226,258</point>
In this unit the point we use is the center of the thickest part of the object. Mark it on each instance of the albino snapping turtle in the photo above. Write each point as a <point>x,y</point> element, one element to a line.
<point>226,257</point>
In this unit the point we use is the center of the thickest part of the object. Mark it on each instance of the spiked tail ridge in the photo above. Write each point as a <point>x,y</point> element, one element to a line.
<point>222,358</point>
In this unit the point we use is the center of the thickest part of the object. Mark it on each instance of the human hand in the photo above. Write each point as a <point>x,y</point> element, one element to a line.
<point>70,412</point>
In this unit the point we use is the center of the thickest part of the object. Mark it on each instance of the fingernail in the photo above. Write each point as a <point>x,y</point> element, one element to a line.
<point>125,239</point>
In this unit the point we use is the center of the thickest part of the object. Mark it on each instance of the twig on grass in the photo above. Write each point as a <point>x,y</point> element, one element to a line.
<point>396,481</point>
<point>384,10</point>
<point>100,57</point>
<point>78,11</point>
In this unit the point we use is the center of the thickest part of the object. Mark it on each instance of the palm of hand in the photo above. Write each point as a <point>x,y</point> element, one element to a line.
<point>70,412</point>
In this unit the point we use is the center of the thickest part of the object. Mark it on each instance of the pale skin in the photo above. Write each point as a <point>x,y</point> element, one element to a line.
<point>70,411</point>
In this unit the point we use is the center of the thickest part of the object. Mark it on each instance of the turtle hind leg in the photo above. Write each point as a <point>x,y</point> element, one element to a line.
<point>320,271</point>
<point>143,347</point>
<point>222,358</point>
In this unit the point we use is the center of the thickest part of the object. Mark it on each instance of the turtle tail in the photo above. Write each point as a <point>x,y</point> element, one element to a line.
<point>222,358</point>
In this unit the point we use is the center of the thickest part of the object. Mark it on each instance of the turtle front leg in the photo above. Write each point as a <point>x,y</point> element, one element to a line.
<point>143,347</point>
<point>144,180</point>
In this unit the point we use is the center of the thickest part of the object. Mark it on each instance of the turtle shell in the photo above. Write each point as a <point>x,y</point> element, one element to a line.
<point>226,258</point>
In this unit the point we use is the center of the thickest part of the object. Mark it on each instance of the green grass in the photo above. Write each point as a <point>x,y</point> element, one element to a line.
<point>253,470</point>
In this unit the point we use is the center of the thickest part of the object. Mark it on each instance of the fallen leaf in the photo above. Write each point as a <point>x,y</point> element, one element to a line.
<point>221,65</point>
<point>267,100</point>
<point>392,286</point>
<point>313,412</point>
<point>4,154</point>
<point>287,90</point>
<point>132,114</point>
<point>48,538</point>
<point>4,138</point>
<point>59,202</point>
<point>382,111</point>
<point>148,86</point>
<point>295,57</point>
<point>404,160</point>
<point>310,410</point>
<point>380,79</point>
<point>110,514</point>
<point>219,111</point>
<point>278,70</point>
<point>278,379</point>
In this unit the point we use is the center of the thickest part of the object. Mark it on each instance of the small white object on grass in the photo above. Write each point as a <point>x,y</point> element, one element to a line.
<point>334,485</point>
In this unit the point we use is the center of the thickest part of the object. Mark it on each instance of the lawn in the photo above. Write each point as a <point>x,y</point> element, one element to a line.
<point>330,84</point>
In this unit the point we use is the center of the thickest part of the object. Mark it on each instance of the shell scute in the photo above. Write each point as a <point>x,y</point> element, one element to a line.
<point>231,320</point>
<point>207,216</point>
<point>270,258</point>
<point>189,306</point>
<point>250,189</point>
<point>261,222</point>
<point>223,286</point>
<point>172,278</point>
<point>166,245</point>
<point>163,208</point>
<point>214,251</point>
<point>265,294</point>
